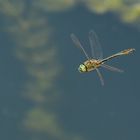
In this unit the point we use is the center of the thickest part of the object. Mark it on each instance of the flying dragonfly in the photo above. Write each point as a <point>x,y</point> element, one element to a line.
<point>97,60</point>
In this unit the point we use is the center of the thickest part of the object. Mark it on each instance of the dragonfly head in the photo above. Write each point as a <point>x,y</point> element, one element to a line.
<point>82,68</point>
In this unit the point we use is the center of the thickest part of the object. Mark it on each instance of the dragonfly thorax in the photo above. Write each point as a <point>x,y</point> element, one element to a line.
<point>89,65</point>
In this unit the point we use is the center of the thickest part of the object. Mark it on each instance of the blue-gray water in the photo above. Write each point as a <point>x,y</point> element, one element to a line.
<point>42,94</point>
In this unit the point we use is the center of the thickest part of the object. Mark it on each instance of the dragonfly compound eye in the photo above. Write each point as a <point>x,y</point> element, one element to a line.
<point>82,68</point>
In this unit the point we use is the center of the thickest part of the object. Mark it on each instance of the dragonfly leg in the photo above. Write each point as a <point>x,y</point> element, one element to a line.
<point>100,76</point>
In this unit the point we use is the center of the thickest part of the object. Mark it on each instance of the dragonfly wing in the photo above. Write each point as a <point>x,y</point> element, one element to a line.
<point>111,68</point>
<point>96,49</point>
<point>100,76</point>
<point>78,44</point>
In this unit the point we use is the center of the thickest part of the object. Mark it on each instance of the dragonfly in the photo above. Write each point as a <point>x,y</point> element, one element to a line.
<point>96,60</point>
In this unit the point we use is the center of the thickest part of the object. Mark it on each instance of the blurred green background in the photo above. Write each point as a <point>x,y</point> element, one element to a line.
<point>42,94</point>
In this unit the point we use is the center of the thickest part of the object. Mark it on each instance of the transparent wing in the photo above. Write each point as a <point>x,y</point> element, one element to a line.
<point>112,68</point>
<point>96,49</point>
<point>78,44</point>
<point>100,76</point>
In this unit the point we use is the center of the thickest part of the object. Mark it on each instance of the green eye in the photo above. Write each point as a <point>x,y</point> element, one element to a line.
<point>82,68</point>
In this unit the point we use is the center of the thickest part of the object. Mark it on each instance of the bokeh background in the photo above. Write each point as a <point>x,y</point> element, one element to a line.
<point>42,94</point>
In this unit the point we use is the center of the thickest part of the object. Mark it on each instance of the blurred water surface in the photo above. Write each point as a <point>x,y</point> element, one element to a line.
<point>42,94</point>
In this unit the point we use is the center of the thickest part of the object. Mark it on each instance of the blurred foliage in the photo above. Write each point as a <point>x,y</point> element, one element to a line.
<point>128,10</point>
<point>42,121</point>
<point>131,14</point>
<point>12,8</point>
<point>102,6</point>
<point>32,36</point>
<point>53,5</point>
